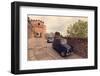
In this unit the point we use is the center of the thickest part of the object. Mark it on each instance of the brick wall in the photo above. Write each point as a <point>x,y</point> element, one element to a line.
<point>79,46</point>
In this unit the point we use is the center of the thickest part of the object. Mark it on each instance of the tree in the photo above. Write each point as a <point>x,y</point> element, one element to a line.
<point>78,29</point>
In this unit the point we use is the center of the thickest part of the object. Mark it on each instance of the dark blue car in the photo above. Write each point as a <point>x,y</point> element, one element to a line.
<point>63,49</point>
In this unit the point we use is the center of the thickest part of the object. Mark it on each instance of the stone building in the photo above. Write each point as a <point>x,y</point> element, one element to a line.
<point>37,31</point>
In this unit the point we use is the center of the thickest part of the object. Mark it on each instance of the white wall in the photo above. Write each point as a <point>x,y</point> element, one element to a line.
<point>5,41</point>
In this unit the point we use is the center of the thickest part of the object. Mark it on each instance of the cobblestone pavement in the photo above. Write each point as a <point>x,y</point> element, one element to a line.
<point>46,53</point>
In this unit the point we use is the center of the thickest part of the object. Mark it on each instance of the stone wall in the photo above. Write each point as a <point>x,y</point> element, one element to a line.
<point>80,46</point>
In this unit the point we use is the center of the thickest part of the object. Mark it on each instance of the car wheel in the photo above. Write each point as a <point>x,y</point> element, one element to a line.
<point>63,54</point>
<point>69,53</point>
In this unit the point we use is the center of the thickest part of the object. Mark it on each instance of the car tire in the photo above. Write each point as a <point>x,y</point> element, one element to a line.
<point>63,54</point>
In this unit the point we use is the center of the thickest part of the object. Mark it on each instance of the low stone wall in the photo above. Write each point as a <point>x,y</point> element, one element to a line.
<point>80,46</point>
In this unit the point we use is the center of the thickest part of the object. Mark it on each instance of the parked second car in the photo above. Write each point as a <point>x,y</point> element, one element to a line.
<point>50,40</point>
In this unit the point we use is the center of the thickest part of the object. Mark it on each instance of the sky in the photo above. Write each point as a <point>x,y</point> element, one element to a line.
<point>57,23</point>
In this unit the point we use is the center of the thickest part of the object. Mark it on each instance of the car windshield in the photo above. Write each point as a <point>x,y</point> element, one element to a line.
<point>50,37</point>
<point>63,41</point>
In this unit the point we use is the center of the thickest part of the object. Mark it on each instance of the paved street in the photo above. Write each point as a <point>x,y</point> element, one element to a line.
<point>45,53</point>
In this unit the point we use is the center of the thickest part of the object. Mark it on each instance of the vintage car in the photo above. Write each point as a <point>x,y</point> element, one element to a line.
<point>63,49</point>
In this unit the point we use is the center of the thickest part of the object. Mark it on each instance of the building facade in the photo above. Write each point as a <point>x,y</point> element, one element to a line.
<point>37,31</point>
